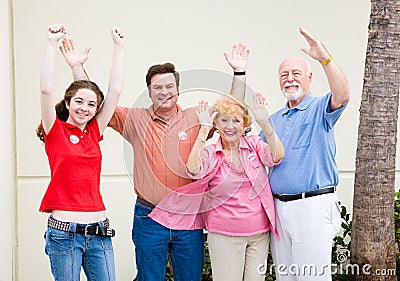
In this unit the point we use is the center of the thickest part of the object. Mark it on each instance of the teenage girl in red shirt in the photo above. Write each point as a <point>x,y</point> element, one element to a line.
<point>78,233</point>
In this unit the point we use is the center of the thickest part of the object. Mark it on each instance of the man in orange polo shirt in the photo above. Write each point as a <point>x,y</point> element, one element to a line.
<point>162,137</point>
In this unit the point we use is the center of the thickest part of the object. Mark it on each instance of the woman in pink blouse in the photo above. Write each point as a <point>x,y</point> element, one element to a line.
<point>239,204</point>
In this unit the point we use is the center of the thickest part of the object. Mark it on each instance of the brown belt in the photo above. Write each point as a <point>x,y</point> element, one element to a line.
<point>145,202</point>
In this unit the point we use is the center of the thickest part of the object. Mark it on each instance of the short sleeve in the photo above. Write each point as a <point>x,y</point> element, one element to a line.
<point>94,130</point>
<point>263,151</point>
<point>331,117</point>
<point>118,119</point>
<point>52,130</point>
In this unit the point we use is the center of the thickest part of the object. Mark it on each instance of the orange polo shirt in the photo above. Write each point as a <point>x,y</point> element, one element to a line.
<point>160,148</point>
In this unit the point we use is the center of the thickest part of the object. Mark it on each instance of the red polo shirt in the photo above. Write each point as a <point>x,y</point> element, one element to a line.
<point>75,163</point>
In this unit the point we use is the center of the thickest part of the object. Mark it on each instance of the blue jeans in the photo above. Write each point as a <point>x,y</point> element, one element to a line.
<point>68,252</point>
<point>152,243</point>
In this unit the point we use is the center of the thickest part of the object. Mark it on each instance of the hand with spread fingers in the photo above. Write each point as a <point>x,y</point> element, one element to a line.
<point>238,58</point>
<point>260,109</point>
<point>71,55</point>
<point>205,119</point>
<point>316,49</point>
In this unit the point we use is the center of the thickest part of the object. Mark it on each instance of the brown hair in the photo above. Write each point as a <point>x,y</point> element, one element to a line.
<point>161,69</point>
<point>61,108</point>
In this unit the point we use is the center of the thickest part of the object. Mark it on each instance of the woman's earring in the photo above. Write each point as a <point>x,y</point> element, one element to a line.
<point>215,127</point>
<point>246,131</point>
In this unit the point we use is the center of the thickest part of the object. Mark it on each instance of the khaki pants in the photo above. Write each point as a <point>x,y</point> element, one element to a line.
<point>238,258</point>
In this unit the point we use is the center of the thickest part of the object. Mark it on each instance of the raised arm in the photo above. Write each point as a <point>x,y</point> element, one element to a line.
<point>238,61</point>
<point>336,79</point>
<point>261,115</point>
<point>194,160</point>
<point>47,100</point>
<point>75,59</point>
<point>115,81</point>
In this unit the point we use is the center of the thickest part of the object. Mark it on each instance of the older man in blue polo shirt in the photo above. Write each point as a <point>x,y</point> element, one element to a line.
<point>304,183</point>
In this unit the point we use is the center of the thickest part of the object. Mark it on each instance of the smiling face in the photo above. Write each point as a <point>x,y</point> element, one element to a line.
<point>163,92</point>
<point>82,107</point>
<point>231,128</point>
<point>231,120</point>
<point>294,79</point>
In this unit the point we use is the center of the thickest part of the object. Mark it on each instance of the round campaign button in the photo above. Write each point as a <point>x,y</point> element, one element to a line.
<point>74,139</point>
<point>182,135</point>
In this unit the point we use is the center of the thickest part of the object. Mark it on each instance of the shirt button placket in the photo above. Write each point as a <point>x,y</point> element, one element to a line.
<point>286,132</point>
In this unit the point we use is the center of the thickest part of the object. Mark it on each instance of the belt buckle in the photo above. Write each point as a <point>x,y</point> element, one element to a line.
<point>87,230</point>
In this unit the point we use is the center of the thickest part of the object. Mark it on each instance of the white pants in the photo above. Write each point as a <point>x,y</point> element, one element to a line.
<point>306,228</point>
<point>238,258</point>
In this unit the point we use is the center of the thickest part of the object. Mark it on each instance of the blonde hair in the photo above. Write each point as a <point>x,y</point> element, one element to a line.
<point>231,106</point>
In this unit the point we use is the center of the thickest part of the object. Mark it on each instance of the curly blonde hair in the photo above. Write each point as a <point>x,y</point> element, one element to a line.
<point>231,106</point>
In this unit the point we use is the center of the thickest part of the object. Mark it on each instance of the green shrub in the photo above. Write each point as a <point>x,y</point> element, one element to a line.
<point>341,244</point>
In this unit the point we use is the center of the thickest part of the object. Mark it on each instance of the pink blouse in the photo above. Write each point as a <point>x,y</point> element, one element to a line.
<point>224,199</point>
<point>242,214</point>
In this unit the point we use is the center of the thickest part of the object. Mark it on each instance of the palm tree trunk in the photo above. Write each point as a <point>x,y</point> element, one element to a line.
<point>373,242</point>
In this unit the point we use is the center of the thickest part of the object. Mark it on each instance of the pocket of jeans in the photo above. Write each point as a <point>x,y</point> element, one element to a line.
<point>45,239</point>
<point>106,243</point>
<point>141,213</point>
<point>336,218</point>
<point>58,242</point>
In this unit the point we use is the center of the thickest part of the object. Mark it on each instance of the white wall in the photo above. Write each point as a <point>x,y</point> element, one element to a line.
<point>7,171</point>
<point>191,34</point>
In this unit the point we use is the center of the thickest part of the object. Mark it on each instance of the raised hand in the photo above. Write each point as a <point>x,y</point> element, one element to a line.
<point>260,109</point>
<point>56,32</point>
<point>47,101</point>
<point>71,54</point>
<point>204,115</point>
<point>115,81</point>
<point>117,35</point>
<point>316,49</point>
<point>238,58</point>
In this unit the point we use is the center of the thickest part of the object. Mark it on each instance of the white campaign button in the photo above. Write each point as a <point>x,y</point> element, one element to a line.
<point>251,156</point>
<point>74,139</point>
<point>182,135</point>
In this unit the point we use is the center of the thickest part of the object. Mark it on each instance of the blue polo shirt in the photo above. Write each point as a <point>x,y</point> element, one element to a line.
<point>307,134</point>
